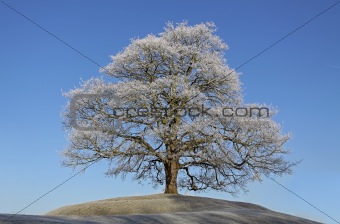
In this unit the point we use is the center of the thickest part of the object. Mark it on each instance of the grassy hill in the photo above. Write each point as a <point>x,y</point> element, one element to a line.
<point>165,208</point>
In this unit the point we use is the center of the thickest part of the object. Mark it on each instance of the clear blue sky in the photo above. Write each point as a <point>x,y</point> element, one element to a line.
<point>300,76</point>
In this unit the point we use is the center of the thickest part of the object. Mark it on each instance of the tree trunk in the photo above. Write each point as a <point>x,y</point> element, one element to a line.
<point>171,172</point>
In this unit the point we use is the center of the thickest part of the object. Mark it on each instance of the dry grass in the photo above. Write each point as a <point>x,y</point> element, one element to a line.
<point>151,204</point>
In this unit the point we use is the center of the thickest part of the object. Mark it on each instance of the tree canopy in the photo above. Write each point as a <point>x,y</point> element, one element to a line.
<point>175,103</point>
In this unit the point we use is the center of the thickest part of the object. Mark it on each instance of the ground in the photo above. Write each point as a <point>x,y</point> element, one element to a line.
<point>160,208</point>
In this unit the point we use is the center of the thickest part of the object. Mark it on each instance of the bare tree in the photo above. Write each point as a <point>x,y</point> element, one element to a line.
<point>173,93</point>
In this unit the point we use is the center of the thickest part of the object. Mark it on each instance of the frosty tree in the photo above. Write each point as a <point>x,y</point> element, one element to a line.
<point>171,99</point>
